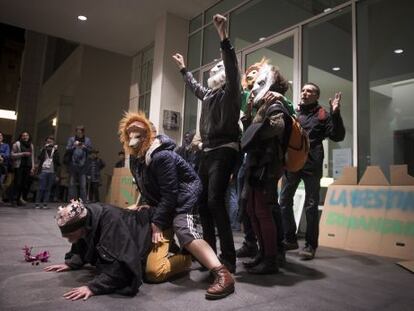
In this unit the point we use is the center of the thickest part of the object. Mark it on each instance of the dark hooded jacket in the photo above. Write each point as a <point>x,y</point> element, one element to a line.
<point>166,182</point>
<point>220,111</point>
<point>117,243</point>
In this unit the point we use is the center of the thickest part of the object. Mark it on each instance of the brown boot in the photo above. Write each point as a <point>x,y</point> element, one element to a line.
<point>223,284</point>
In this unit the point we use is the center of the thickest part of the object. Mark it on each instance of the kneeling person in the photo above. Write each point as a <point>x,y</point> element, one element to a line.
<point>170,189</point>
<point>114,240</point>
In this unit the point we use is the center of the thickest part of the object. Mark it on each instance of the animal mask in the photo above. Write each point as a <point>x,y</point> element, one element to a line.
<point>135,133</point>
<point>217,76</point>
<point>250,75</point>
<point>264,80</point>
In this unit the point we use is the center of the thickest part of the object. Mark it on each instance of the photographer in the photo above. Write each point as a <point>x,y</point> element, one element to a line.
<point>77,152</point>
<point>48,166</point>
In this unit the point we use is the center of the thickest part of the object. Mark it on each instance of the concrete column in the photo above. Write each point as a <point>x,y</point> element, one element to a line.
<point>167,91</point>
<point>31,81</point>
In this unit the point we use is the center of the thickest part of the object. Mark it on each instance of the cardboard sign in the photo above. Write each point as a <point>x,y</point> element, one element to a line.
<point>372,219</point>
<point>123,192</point>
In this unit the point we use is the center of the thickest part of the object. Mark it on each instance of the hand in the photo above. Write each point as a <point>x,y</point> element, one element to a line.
<point>57,268</point>
<point>179,60</point>
<point>336,103</point>
<point>220,22</point>
<point>78,293</point>
<point>27,154</point>
<point>270,97</point>
<point>157,236</point>
<point>32,171</point>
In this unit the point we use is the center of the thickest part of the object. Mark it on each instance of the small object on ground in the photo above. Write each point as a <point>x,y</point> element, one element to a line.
<point>35,260</point>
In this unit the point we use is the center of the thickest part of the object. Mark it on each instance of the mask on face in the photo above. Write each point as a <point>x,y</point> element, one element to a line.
<point>135,139</point>
<point>264,80</point>
<point>217,76</point>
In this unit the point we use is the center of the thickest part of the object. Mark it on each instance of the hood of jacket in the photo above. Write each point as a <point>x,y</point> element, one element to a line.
<point>161,142</point>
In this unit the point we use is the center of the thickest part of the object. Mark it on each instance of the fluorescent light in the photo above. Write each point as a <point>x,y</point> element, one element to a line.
<point>336,68</point>
<point>8,114</point>
<point>398,51</point>
<point>327,10</point>
<point>262,38</point>
<point>54,121</point>
<point>82,18</point>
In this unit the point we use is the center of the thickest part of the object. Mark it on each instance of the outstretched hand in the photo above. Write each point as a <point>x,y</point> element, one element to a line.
<point>157,235</point>
<point>220,22</point>
<point>57,268</point>
<point>78,293</point>
<point>335,103</point>
<point>179,60</point>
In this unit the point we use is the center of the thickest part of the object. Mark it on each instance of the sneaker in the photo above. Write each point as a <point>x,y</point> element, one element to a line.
<point>247,250</point>
<point>307,253</point>
<point>37,206</point>
<point>21,203</point>
<point>45,206</point>
<point>290,246</point>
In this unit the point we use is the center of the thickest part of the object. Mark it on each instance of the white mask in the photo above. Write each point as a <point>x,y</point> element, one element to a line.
<point>264,80</point>
<point>217,76</point>
<point>135,139</point>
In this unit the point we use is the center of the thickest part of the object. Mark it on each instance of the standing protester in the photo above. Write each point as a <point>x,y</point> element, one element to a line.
<point>170,189</point>
<point>114,240</point>
<point>95,166</point>
<point>23,166</point>
<point>4,161</point>
<point>319,124</point>
<point>121,162</point>
<point>187,152</point>
<point>220,133</point>
<point>49,164</point>
<point>76,157</point>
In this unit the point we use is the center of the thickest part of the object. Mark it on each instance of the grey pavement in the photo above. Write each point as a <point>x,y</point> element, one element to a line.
<point>335,280</point>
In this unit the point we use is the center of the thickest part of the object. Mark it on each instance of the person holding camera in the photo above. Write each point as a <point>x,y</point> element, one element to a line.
<point>48,166</point>
<point>76,156</point>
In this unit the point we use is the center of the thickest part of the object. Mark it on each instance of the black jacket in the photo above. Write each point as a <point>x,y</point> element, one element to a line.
<point>117,243</point>
<point>319,124</point>
<point>42,158</point>
<point>166,182</point>
<point>221,108</point>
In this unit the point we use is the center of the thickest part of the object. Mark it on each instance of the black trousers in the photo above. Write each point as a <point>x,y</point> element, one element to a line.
<point>22,181</point>
<point>290,183</point>
<point>94,192</point>
<point>215,169</point>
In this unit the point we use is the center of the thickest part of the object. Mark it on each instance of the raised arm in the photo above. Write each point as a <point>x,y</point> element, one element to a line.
<point>335,128</point>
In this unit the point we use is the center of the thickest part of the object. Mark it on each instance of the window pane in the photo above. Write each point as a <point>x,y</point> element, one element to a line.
<point>148,55</point>
<point>211,45</point>
<point>279,54</point>
<point>327,61</point>
<point>259,18</point>
<point>385,84</point>
<point>220,8</point>
<point>195,23</point>
<point>190,109</point>
<point>194,51</point>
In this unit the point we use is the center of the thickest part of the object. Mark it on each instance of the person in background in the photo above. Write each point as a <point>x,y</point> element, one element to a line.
<point>76,156</point>
<point>121,160</point>
<point>4,160</point>
<point>23,166</point>
<point>95,166</point>
<point>49,164</point>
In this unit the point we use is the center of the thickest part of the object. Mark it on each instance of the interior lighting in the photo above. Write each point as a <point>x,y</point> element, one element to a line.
<point>8,114</point>
<point>54,121</point>
<point>336,68</point>
<point>398,51</point>
<point>262,38</point>
<point>82,18</point>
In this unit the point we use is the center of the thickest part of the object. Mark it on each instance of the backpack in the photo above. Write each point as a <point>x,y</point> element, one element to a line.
<point>296,143</point>
<point>47,163</point>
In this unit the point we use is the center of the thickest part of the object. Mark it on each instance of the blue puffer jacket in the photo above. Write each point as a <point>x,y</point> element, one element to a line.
<point>166,181</point>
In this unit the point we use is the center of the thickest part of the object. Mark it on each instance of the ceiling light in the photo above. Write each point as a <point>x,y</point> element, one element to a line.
<point>262,38</point>
<point>82,18</point>
<point>54,121</point>
<point>336,68</point>
<point>327,10</point>
<point>398,51</point>
<point>290,82</point>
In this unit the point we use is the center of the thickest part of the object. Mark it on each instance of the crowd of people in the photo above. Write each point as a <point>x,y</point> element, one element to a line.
<point>240,153</point>
<point>48,177</point>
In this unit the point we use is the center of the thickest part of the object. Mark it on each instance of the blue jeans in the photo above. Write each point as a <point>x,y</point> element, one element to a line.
<point>46,181</point>
<point>77,178</point>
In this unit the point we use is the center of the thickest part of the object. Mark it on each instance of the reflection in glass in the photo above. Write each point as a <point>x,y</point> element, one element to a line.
<point>194,50</point>
<point>327,43</point>
<point>385,84</point>
<point>195,23</point>
<point>211,45</point>
<point>220,8</point>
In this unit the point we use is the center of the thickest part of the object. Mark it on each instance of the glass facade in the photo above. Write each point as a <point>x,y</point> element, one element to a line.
<point>143,78</point>
<point>360,48</point>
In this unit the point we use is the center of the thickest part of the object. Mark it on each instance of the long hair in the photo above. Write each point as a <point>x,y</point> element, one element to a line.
<point>128,118</point>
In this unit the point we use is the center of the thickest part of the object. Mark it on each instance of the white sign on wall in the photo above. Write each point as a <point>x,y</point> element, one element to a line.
<point>340,158</point>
